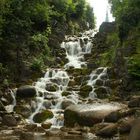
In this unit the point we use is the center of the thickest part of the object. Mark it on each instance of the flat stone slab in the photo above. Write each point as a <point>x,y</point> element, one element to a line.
<point>89,114</point>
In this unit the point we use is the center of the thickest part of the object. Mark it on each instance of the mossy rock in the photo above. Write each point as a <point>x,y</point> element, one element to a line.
<point>51,87</point>
<point>65,93</point>
<point>72,83</point>
<point>78,80</point>
<point>23,110</point>
<point>102,92</point>
<point>86,88</point>
<point>86,71</point>
<point>84,94</point>
<point>79,71</point>
<point>42,116</point>
<point>99,82</point>
<point>46,125</point>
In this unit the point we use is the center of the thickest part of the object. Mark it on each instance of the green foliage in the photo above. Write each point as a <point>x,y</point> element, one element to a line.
<point>37,64</point>
<point>26,27</point>
<point>127,14</point>
<point>134,69</point>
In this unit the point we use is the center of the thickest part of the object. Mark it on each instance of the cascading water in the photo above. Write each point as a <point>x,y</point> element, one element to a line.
<point>76,48</point>
<point>56,78</point>
<point>94,76</point>
<point>55,82</point>
<point>10,108</point>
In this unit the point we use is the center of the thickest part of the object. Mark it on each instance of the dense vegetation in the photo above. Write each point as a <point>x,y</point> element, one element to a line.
<point>126,37</point>
<point>31,29</point>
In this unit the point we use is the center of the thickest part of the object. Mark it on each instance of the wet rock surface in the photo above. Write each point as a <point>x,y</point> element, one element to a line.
<point>88,115</point>
<point>74,91</point>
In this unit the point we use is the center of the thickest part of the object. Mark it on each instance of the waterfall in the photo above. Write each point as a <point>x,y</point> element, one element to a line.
<point>55,82</point>
<point>10,108</point>
<point>76,48</point>
<point>60,79</point>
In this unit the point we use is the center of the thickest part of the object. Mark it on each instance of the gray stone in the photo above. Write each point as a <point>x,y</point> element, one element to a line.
<point>47,104</point>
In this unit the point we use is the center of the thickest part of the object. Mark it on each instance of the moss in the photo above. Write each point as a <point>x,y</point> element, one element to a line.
<point>84,94</point>
<point>51,88</point>
<point>86,88</point>
<point>42,116</point>
<point>65,93</point>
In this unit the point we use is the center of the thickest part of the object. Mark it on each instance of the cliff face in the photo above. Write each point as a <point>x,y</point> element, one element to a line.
<point>121,57</point>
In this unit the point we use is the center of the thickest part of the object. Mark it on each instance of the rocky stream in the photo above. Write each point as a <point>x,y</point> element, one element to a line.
<point>71,102</point>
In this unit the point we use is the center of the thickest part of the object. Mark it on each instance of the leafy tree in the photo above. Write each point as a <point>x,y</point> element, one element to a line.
<point>127,15</point>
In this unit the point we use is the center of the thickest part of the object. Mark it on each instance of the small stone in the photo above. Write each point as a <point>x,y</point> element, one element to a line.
<point>46,125</point>
<point>51,87</point>
<point>66,93</point>
<point>108,131</point>
<point>31,127</point>
<point>9,120</point>
<point>47,104</point>
<point>86,88</point>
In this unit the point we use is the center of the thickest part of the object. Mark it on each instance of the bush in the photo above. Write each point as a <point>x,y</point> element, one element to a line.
<point>37,64</point>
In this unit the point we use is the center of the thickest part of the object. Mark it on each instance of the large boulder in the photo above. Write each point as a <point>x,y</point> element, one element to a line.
<point>26,91</point>
<point>89,114</point>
